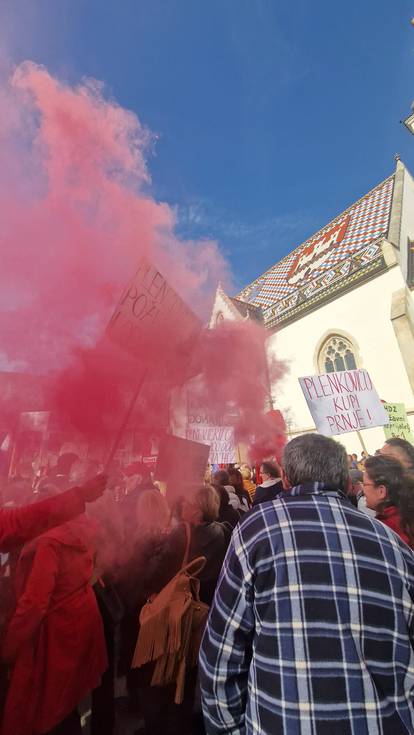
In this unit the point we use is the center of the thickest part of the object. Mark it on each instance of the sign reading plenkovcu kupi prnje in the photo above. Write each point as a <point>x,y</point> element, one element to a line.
<point>343,402</point>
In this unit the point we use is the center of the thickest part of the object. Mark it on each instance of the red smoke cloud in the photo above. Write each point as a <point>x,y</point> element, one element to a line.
<point>77,216</point>
<point>237,373</point>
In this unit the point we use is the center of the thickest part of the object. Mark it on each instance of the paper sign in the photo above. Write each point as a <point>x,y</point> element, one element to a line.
<point>34,421</point>
<point>398,422</point>
<point>211,425</point>
<point>219,438</point>
<point>149,313</point>
<point>342,402</point>
<point>181,465</point>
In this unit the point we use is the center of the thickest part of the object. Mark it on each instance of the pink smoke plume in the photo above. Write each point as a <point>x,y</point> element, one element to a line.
<point>77,216</point>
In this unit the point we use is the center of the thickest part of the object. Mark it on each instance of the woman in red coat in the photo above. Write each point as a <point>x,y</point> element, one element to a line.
<point>18,525</point>
<point>389,490</point>
<point>55,641</point>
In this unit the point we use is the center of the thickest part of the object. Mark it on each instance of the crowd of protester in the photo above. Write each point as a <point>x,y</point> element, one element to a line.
<point>311,623</point>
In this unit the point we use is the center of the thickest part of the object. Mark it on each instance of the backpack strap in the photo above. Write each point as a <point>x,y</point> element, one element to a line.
<point>195,566</point>
<point>227,526</point>
<point>187,529</point>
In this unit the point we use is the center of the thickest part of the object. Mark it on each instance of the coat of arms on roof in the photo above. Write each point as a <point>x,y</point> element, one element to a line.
<point>316,251</point>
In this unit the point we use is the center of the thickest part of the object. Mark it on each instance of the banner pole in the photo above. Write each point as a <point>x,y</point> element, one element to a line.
<point>362,441</point>
<point>124,424</point>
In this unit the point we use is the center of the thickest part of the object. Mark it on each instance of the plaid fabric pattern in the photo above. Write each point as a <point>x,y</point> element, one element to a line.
<point>369,220</point>
<point>311,629</point>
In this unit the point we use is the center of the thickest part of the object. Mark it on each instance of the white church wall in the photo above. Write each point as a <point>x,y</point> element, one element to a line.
<point>363,315</point>
<point>222,309</point>
<point>407,219</point>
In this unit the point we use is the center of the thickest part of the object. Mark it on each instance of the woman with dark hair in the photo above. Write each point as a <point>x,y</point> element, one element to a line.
<point>222,478</point>
<point>389,490</point>
<point>228,516</point>
<point>400,449</point>
<point>236,480</point>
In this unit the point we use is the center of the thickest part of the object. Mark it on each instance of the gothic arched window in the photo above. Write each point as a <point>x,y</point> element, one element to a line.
<point>337,353</point>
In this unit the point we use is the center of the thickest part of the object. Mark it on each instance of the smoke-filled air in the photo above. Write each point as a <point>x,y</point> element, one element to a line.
<point>78,217</point>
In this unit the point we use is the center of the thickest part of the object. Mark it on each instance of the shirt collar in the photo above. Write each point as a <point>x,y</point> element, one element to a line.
<point>271,481</point>
<point>315,488</point>
<point>390,511</point>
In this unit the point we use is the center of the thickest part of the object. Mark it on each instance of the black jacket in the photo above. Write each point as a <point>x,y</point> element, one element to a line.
<point>267,493</point>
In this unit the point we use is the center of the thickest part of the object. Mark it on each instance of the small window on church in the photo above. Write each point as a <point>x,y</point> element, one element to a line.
<point>336,354</point>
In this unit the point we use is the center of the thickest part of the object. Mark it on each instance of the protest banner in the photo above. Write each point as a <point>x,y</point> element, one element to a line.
<point>29,442</point>
<point>219,438</point>
<point>343,402</point>
<point>34,421</point>
<point>149,314</point>
<point>211,426</point>
<point>398,426</point>
<point>181,465</point>
<point>149,311</point>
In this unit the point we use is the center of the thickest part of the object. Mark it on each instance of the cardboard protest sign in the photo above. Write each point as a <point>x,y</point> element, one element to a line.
<point>150,311</point>
<point>219,438</point>
<point>211,427</point>
<point>398,422</point>
<point>34,421</point>
<point>29,445</point>
<point>181,464</point>
<point>151,320</point>
<point>342,402</point>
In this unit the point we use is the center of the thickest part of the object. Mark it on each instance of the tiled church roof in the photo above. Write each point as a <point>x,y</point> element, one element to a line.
<point>327,255</point>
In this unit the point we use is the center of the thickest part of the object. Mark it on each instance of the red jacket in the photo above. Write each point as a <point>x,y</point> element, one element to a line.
<point>391,518</point>
<point>55,639</point>
<point>18,525</point>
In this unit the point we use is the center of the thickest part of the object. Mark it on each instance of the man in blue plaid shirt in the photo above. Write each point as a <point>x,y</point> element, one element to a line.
<point>311,631</point>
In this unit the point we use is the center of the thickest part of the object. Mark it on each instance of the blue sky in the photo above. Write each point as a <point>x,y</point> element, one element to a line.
<point>272,116</point>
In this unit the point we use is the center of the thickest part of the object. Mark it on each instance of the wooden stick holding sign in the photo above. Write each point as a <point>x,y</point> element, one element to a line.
<point>149,313</point>
<point>125,422</point>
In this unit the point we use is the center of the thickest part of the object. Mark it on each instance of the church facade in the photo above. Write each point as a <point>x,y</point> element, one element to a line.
<point>341,300</point>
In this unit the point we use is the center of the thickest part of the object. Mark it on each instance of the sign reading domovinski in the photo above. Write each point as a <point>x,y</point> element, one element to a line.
<point>219,438</point>
<point>343,402</point>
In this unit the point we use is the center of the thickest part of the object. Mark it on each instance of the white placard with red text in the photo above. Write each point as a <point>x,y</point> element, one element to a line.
<point>343,402</point>
<point>219,438</point>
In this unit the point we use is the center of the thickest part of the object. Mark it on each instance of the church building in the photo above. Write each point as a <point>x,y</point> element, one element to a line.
<point>342,300</point>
